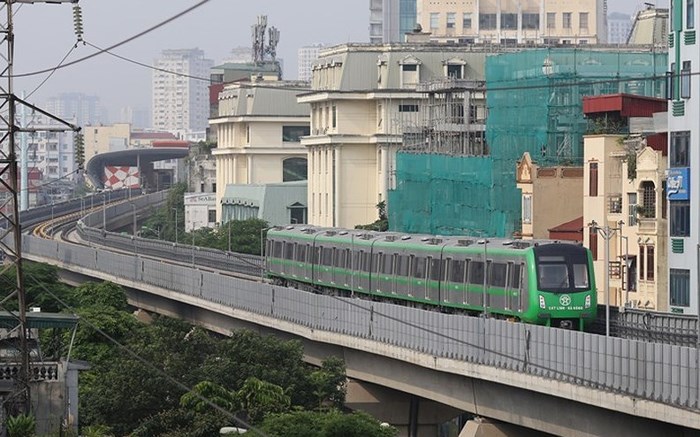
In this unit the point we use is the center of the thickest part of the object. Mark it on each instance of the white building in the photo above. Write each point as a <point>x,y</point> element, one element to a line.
<point>390,20</point>
<point>51,152</point>
<point>200,211</point>
<point>684,158</point>
<point>81,108</point>
<point>181,98</point>
<point>619,26</point>
<point>305,59</point>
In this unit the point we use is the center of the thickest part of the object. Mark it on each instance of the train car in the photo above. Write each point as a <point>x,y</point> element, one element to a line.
<point>543,282</point>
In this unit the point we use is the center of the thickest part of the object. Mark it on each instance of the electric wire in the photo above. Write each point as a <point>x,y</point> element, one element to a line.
<point>121,43</point>
<point>52,72</point>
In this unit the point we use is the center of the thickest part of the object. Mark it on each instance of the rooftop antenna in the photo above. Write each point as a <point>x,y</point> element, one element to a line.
<point>260,49</point>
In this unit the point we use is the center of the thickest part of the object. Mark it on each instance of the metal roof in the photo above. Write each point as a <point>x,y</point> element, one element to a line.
<point>39,320</point>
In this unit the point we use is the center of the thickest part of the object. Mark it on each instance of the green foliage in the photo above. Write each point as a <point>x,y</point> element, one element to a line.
<point>213,393</point>
<point>100,294</point>
<point>38,279</point>
<point>164,218</point>
<point>245,235</point>
<point>97,431</point>
<point>330,383</point>
<point>380,225</point>
<point>22,425</point>
<point>258,398</point>
<point>328,424</point>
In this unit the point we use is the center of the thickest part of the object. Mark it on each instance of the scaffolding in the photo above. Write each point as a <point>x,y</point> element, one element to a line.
<point>534,104</point>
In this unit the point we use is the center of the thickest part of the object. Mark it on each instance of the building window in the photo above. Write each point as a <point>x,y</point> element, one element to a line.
<point>408,108</point>
<point>509,21</point>
<point>650,263</point>
<point>551,20</point>
<point>487,21</point>
<point>294,169</point>
<point>685,80</point>
<point>531,21</point>
<point>566,20</point>
<point>247,134</point>
<point>527,209</point>
<point>409,74</point>
<point>649,199</point>
<point>211,216</point>
<point>593,179</point>
<point>454,71</point>
<point>293,134</point>
<point>583,20</point>
<point>451,20</point>
<point>466,21</point>
<point>334,117</point>
<point>593,242</point>
<point>664,200</point>
<point>690,14</point>
<point>641,262</point>
<point>434,20</point>
<point>680,219</point>
<point>680,150</point>
<point>380,115</point>
<point>679,281</point>
<point>631,209</point>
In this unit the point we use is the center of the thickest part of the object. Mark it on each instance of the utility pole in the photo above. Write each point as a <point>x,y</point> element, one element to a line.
<point>11,237</point>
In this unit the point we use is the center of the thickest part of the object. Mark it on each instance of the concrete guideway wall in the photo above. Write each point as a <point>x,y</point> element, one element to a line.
<point>648,380</point>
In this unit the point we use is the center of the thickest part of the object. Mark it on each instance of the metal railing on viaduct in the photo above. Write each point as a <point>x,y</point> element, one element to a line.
<point>582,381</point>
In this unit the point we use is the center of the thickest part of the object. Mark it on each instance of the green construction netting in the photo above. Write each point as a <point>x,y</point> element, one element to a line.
<point>534,101</point>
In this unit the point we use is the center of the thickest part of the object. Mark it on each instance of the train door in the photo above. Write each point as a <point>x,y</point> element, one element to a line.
<point>432,284</point>
<point>420,272</point>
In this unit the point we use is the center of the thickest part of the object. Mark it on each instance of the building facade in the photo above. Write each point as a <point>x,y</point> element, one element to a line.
<point>52,153</point>
<point>684,158</point>
<point>515,22</point>
<point>619,27</point>
<point>363,99</point>
<point>305,59</point>
<point>390,20</point>
<point>81,108</point>
<point>259,130</point>
<point>200,211</point>
<point>180,94</point>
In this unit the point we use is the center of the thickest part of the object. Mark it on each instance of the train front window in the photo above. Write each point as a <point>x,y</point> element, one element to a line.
<point>562,268</point>
<point>581,276</point>
<point>553,276</point>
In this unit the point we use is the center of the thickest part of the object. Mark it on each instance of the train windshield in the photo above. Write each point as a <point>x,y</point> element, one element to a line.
<point>562,268</point>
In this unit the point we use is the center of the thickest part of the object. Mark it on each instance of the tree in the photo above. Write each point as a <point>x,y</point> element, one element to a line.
<point>258,398</point>
<point>213,393</point>
<point>22,425</point>
<point>325,424</point>
<point>330,383</point>
<point>382,224</point>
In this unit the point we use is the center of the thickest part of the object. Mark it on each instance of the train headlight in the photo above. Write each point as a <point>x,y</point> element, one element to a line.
<point>588,301</point>
<point>543,304</point>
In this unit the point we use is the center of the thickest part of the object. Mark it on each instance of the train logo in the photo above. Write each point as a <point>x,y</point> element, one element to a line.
<point>565,300</point>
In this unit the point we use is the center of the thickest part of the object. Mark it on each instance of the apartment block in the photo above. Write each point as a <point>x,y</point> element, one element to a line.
<point>180,93</point>
<point>390,20</point>
<point>305,58</point>
<point>515,21</point>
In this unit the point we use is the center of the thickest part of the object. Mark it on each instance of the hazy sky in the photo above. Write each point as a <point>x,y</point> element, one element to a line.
<point>44,35</point>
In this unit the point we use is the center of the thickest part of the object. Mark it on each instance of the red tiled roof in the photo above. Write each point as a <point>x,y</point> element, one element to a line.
<point>628,105</point>
<point>569,231</point>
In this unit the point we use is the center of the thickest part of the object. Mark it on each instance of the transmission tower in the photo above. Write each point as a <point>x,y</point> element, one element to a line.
<point>11,234</point>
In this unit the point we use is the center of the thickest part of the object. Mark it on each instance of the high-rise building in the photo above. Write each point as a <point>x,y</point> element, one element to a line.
<point>619,26</point>
<point>684,158</point>
<point>390,20</point>
<point>305,59</point>
<point>138,117</point>
<point>180,91</point>
<point>515,22</point>
<point>82,108</point>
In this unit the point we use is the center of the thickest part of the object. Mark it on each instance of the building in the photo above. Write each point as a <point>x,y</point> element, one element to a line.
<point>240,54</point>
<point>200,211</point>
<point>684,160</point>
<point>278,204</point>
<point>259,129</point>
<point>650,27</point>
<point>515,22</point>
<point>138,118</point>
<point>305,59</point>
<point>539,186</point>
<point>390,20</point>
<point>362,98</point>
<point>619,27</point>
<point>180,102</point>
<point>52,153</point>
<point>81,108</point>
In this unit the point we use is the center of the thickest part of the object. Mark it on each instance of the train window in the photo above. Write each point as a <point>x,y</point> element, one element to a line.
<point>376,262</point>
<point>498,275</point>
<point>457,271</point>
<point>316,255</point>
<point>366,261</point>
<point>336,257</point>
<point>553,276</point>
<point>355,261</point>
<point>277,253</point>
<point>388,264</point>
<point>515,276</point>
<point>402,265</point>
<point>581,276</point>
<point>342,258</point>
<point>289,250</point>
<point>327,256</point>
<point>434,268</point>
<point>419,268</point>
<point>476,272</point>
<point>301,253</point>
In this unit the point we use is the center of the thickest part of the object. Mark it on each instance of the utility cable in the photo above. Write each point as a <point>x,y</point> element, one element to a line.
<point>52,72</point>
<point>121,43</point>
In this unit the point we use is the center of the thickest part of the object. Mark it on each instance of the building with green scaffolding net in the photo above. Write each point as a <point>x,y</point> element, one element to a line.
<point>534,100</point>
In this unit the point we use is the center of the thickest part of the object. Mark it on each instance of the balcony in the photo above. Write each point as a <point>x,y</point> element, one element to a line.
<point>647,226</point>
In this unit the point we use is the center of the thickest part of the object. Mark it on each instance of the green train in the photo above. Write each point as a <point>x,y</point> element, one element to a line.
<point>543,282</point>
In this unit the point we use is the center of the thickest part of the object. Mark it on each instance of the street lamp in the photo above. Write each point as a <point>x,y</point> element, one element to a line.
<point>175,209</point>
<point>607,233</point>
